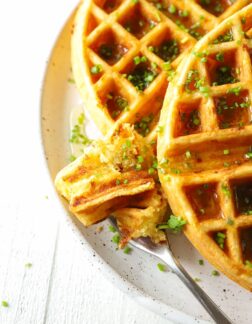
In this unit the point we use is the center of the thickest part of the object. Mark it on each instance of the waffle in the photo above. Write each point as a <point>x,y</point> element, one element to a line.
<point>204,149</point>
<point>124,53</point>
<point>114,177</point>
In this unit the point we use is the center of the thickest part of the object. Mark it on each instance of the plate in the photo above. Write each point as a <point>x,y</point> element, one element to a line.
<point>137,274</point>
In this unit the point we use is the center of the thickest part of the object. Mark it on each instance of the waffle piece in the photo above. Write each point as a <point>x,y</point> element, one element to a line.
<point>204,150</point>
<point>141,216</point>
<point>125,51</point>
<point>113,175</point>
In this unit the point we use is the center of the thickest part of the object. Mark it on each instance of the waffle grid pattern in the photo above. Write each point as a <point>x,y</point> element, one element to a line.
<point>232,183</point>
<point>116,22</point>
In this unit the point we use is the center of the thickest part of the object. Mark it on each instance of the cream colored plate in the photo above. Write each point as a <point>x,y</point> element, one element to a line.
<point>136,274</point>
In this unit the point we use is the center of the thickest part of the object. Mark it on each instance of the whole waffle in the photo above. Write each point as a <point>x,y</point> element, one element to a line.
<point>124,53</point>
<point>204,149</point>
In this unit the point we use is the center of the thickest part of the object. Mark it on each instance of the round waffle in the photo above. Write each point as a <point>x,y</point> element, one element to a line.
<point>204,149</point>
<point>124,53</point>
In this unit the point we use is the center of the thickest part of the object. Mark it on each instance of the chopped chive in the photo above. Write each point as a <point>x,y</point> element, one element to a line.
<point>243,20</point>
<point>128,143</point>
<point>226,190</point>
<point>5,303</point>
<point>226,152</point>
<point>201,262</point>
<point>230,221</point>
<point>161,267</point>
<point>172,9</point>
<point>151,170</point>
<point>204,91</point>
<point>127,250</point>
<point>184,13</point>
<point>215,273</point>
<point>175,223</point>
<point>248,263</point>
<point>72,158</point>
<point>196,121</point>
<point>236,91</point>
<point>112,229</point>
<point>116,238</point>
<point>139,59</point>
<point>96,69</point>
<point>28,265</point>
<point>220,239</point>
<point>219,57</point>
<point>140,159</point>
<point>118,182</point>
<point>138,167</point>
<point>155,164</point>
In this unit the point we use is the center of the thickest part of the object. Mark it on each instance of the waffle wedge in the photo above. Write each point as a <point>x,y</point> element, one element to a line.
<point>116,175</point>
<point>204,149</point>
<point>124,53</point>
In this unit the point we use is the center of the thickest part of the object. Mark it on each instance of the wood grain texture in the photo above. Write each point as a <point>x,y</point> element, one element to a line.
<point>60,286</point>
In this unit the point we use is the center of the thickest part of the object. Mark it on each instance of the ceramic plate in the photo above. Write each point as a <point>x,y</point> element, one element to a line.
<point>137,274</point>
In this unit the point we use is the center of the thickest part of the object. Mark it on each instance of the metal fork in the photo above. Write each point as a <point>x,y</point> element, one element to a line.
<point>164,253</point>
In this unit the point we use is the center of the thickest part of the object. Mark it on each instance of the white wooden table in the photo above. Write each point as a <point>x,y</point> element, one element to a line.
<point>60,286</point>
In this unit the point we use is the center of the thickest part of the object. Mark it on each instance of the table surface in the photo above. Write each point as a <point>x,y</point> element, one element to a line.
<point>60,286</point>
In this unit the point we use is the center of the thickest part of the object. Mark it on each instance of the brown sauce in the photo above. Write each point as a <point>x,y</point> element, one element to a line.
<point>246,243</point>
<point>222,71</point>
<point>233,110</point>
<point>109,5</point>
<point>138,25</point>
<point>243,197</point>
<point>112,52</point>
<point>116,104</point>
<point>204,200</point>
<point>188,120</point>
<point>182,18</point>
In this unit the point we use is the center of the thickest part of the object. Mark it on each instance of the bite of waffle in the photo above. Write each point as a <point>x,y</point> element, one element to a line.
<point>204,150</point>
<point>125,52</point>
<point>116,177</point>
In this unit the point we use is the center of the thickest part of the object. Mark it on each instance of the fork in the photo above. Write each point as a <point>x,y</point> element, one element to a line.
<point>164,253</point>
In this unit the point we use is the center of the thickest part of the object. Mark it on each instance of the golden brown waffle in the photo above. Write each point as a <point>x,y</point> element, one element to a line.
<point>204,149</point>
<point>124,52</point>
<point>116,175</point>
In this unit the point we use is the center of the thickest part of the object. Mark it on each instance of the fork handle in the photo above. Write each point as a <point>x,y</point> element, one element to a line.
<point>214,311</point>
